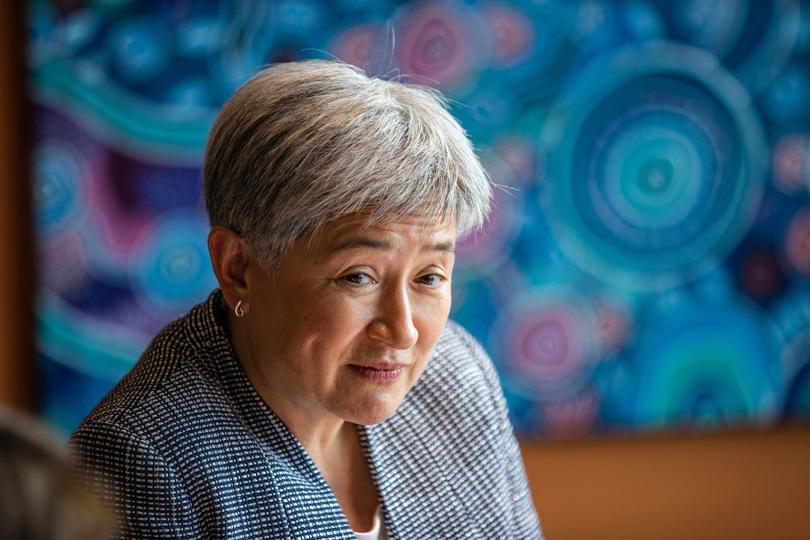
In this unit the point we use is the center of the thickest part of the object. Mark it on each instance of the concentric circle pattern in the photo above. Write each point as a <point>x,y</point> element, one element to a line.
<point>791,163</point>
<point>755,39</point>
<point>173,263</point>
<point>659,170</point>
<point>549,340</point>
<point>533,44</point>
<point>651,224</point>
<point>58,190</point>
<point>797,241</point>
<point>439,43</point>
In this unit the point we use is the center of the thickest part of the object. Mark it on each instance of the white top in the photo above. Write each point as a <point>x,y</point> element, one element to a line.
<point>377,531</point>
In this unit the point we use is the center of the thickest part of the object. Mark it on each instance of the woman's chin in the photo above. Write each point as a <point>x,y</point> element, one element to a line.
<point>373,414</point>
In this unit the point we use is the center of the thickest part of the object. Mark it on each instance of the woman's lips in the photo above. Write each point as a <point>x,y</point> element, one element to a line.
<point>379,374</point>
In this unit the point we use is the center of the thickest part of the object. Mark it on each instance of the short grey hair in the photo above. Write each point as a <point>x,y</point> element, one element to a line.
<point>304,143</point>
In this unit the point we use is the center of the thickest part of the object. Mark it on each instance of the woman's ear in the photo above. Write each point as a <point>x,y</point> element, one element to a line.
<point>230,258</point>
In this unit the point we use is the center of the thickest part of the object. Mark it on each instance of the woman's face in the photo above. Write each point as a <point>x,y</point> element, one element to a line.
<point>348,324</point>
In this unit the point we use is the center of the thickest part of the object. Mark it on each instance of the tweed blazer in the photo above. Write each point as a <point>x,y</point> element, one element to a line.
<point>183,447</point>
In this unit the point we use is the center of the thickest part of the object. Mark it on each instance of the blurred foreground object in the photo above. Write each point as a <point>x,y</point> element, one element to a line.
<point>39,497</point>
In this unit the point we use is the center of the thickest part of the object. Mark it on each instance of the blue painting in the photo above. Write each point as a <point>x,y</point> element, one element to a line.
<point>647,262</point>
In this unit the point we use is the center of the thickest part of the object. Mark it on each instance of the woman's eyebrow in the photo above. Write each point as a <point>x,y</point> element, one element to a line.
<point>365,242</point>
<point>449,247</point>
<point>358,242</point>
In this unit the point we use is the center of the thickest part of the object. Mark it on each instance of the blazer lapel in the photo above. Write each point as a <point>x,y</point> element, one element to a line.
<point>411,466</point>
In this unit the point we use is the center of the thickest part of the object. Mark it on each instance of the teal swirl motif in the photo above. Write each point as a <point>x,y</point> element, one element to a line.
<point>698,364</point>
<point>121,117</point>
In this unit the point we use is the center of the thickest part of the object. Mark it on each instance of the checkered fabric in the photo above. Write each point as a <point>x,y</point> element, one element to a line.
<point>183,447</point>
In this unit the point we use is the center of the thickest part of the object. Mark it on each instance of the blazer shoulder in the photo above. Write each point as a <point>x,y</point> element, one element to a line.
<point>460,375</point>
<point>459,350</point>
<point>455,335</point>
<point>163,364</point>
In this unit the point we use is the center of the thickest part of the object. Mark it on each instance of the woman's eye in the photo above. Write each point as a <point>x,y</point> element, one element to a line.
<point>358,278</point>
<point>431,280</point>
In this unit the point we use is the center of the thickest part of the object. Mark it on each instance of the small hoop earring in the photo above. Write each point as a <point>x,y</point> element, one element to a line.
<point>238,311</point>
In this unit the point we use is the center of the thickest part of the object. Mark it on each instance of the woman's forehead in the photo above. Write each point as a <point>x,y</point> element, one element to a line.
<point>416,230</point>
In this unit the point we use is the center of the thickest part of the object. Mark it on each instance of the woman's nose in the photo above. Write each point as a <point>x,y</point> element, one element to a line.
<point>394,322</point>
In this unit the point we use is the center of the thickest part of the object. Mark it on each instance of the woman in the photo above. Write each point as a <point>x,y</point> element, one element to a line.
<point>320,392</point>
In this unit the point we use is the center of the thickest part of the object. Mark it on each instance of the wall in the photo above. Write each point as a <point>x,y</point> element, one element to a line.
<point>17,369</point>
<point>720,486</point>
